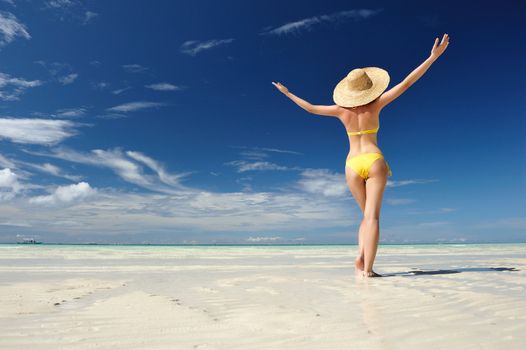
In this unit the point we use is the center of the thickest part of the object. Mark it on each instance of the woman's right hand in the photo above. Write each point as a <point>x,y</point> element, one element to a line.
<point>436,51</point>
<point>280,87</point>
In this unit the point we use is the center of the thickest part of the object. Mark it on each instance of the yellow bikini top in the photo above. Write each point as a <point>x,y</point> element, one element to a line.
<point>371,131</point>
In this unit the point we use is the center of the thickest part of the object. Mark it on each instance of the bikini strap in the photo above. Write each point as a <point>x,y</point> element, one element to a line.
<point>371,131</point>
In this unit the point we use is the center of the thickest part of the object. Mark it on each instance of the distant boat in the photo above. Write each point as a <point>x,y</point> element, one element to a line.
<point>29,241</point>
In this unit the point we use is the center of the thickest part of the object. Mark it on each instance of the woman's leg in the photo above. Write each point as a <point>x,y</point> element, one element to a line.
<point>357,187</point>
<point>374,188</point>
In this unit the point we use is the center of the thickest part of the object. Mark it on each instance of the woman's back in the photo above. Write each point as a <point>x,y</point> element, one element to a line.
<point>362,124</point>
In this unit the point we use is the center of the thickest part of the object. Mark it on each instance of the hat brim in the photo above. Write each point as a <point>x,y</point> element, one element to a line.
<point>344,97</point>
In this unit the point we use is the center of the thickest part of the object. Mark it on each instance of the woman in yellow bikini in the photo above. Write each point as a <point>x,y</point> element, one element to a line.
<point>359,98</point>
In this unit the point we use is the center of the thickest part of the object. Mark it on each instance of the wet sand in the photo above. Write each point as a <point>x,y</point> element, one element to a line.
<point>151,297</point>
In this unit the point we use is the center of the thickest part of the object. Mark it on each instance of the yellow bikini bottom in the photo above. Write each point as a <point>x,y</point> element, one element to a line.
<point>363,162</point>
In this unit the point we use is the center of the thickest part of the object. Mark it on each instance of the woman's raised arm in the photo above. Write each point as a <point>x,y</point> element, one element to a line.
<point>330,111</point>
<point>390,95</point>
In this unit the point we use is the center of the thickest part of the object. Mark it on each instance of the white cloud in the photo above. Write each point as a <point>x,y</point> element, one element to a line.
<point>134,68</point>
<point>49,169</point>
<point>61,72</point>
<point>447,210</point>
<point>257,156</point>
<point>59,3</point>
<point>308,23</point>
<point>6,163</point>
<point>163,87</point>
<point>68,79</point>
<point>15,224</point>
<point>124,167</point>
<point>398,183</point>
<point>71,112</point>
<point>36,131</point>
<point>100,84</point>
<point>322,181</point>
<point>184,214</point>
<point>399,201</point>
<point>88,16</point>
<point>70,10</point>
<point>66,194</point>
<point>10,2</point>
<point>264,239</point>
<point>169,179</point>
<point>11,28</point>
<point>277,150</point>
<point>243,166</point>
<point>193,47</point>
<point>262,152</point>
<point>119,91</point>
<point>9,184</point>
<point>134,106</point>
<point>11,88</point>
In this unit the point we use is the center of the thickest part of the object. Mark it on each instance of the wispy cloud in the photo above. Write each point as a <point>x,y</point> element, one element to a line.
<point>127,165</point>
<point>193,47</point>
<point>255,159</point>
<point>69,10</point>
<point>134,106</point>
<point>10,2</point>
<point>163,87</point>
<point>100,85</point>
<point>11,88</point>
<point>398,183</point>
<point>88,16</point>
<point>71,112</point>
<point>59,3</point>
<point>6,162</point>
<point>11,28</point>
<point>164,176</point>
<point>63,113</point>
<point>120,91</point>
<point>36,131</point>
<point>263,151</point>
<point>276,150</point>
<point>399,201</point>
<point>68,79</point>
<point>308,23</point>
<point>60,71</point>
<point>49,168</point>
<point>243,166</point>
<point>264,239</point>
<point>447,210</point>
<point>134,68</point>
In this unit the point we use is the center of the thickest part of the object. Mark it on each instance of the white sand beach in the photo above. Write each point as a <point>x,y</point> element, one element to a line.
<point>224,297</point>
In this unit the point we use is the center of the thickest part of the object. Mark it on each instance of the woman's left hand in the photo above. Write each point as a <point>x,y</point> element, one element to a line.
<point>438,50</point>
<point>280,87</point>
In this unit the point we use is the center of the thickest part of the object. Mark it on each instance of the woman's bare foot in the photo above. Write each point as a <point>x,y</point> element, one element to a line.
<point>358,266</point>
<point>370,274</point>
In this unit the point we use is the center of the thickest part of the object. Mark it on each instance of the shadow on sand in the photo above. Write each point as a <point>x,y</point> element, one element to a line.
<point>444,272</point>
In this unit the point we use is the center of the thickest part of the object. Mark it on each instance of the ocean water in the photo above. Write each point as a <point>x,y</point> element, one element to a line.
<point>390,258</point>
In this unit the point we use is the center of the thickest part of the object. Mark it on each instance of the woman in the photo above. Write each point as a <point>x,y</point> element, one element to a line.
<point>359,98</point>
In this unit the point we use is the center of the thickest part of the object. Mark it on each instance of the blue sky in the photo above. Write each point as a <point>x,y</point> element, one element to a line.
<point>157,121</point>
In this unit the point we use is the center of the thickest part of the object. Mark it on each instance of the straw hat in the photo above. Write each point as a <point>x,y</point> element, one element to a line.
<point>360,86</point>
